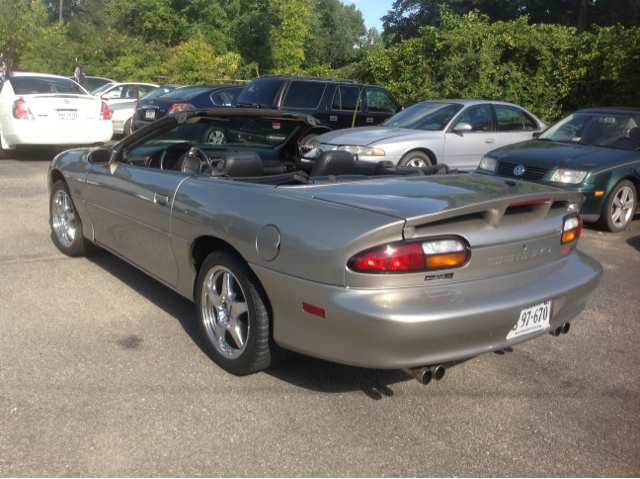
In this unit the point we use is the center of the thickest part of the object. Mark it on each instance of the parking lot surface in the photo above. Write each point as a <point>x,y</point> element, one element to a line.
<point>103,373</point>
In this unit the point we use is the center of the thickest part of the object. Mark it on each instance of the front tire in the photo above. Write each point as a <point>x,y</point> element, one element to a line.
<point>234,314</point>
<point>66,226</point>
<point>620,207</point>
<point>214,136</point>
<point>415,158</point>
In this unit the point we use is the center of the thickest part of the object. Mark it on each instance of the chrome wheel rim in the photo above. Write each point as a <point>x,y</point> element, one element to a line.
<point>216,137</point>
<point>416,162</point>
<point>63,218</point>
<point>622,207</point>
<point>225,312</point>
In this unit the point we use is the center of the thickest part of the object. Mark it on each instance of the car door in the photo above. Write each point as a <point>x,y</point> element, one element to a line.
<point>464,150</point>
<point>379,106</point>
<point>343,105</point>
<point>513,124</point>
<point>130,208</point>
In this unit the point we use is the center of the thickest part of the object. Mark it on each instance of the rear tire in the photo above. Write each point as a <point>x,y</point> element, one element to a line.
<point>235,315</point>
<point>620,207</point>
<point>415,158</point>
<point>66,226</point>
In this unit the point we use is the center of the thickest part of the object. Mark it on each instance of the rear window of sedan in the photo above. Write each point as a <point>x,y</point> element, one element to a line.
<point>185,93</point>
<point>29,85</point>
<point>431,116</point>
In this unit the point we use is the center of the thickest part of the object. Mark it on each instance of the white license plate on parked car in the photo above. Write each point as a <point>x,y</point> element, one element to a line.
<point>67,114</point>
<point>532,318</point>
<point>149,114</point>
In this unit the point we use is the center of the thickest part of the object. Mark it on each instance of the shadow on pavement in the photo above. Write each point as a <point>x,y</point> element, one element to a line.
<point>634,242</point>
<point>35,153</point>
<point>298,370</point>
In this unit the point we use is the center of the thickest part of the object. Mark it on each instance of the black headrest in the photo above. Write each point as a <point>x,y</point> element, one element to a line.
<point>243,164</point>
<point>634,133</point>
<point>335,162</point>
<point>189,164</point>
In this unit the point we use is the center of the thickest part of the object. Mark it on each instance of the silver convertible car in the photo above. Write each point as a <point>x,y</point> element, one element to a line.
<point>455,132</point>
<point>364,264</point>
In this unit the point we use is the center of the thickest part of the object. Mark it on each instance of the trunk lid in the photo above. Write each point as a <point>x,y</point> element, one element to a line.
<point>67,109</point>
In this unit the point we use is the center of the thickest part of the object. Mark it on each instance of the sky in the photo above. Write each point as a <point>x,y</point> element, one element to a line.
<point>372,11</point>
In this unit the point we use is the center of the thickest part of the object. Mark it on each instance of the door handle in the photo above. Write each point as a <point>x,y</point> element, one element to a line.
<point>489,140</point>
<point>160,199</point>
<point>369,120</point>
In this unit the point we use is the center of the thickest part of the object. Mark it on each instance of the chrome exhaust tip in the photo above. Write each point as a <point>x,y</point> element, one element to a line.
<point>421,374</point>
<point>556,332</point>
<point>565,328</point>
<point>437,372</point>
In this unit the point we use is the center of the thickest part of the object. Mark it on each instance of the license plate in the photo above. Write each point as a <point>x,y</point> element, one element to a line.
<point>149,114</point>
<point>67,114</point>
<point>533,318</point>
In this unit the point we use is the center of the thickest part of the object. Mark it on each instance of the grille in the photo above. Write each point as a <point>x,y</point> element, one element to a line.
<point>530,172</point>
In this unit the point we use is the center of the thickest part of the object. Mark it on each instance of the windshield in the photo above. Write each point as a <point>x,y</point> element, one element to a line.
<point>430,116</point>
<point>102,88</point>
<point>609,129</point>
<point>159,91</point>
<point>185,93</point>
<point>205,132</point>
<point>261,92</point>
<point>29,85</point>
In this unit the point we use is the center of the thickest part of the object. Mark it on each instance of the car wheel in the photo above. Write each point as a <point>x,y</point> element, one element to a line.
<point>65,223</point>
<point>234,314</point>
<point>620,207</point>
<point>415,158</point>
<point>214,136</point>
<point>308,140</point>
<point>126,131</point>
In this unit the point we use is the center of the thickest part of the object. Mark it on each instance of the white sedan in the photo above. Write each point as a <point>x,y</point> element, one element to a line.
<point>455,132</point>
<point>40,109</point>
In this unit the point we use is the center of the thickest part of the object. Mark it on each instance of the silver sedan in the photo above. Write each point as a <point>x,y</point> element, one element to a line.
<point>455,132</point>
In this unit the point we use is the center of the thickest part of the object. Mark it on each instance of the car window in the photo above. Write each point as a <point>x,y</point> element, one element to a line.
<point>479,117</point>
<point>159,91</point>
<point>261,92</point>
<point>185,93</point>
<point>98,91</point>
<point>509,119</point>
<point>143,90</point>
<point>613,130</point>
<point>115,94</point>
<point>529,123</point>
<point>28,85</point>
<point>226,97</point>
<point>345,98</point>
<point>379,101</point>
<point>129,93</point>
<point>429,116</point>
<point>304,94</point>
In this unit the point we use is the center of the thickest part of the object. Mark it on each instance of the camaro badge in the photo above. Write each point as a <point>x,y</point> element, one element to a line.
<point>519,170</point>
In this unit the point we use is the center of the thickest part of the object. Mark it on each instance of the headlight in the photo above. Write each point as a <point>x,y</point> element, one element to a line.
<point>361,150</point>
<point>572,177</point>
<point>488,164</point>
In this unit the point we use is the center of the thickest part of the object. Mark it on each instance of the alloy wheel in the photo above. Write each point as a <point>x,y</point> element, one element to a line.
<point>216,137</point>
<point>63,218</point>
<point>417,162</point>
<point>622,207</point>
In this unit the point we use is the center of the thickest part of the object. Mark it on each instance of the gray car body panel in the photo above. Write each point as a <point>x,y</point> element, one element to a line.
<point>154,218</point>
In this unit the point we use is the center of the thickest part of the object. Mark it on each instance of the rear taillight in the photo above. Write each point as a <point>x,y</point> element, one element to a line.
<point>21,110</point>
<point>412,257</point>
<point>106,114</point>
<point>179,107</point>
<point>572,228</point>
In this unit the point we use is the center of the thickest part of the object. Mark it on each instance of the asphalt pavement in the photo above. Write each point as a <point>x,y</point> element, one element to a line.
<point>103,373</point>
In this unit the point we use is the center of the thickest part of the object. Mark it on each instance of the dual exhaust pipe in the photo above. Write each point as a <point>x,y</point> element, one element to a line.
<point>424,374</point>
<point>564,329</point>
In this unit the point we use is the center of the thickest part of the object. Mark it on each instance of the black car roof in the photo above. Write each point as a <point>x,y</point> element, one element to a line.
<point>311,78</point>
<point>611,109</point>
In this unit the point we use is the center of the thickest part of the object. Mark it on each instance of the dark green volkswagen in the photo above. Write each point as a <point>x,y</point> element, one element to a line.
<point>593,152</point>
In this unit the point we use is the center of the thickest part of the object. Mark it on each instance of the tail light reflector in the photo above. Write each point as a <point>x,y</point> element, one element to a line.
<point>105,113</point>
<point>411,257</point>
<point>21,110</point>
<point>572,229</point>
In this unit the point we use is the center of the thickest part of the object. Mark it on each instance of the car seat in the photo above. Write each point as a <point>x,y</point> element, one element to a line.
<point>243,164</point>
<point>334,162</point>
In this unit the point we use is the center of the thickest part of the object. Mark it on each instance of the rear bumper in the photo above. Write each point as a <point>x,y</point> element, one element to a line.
<point>407,327</point>
<point>44,133</point>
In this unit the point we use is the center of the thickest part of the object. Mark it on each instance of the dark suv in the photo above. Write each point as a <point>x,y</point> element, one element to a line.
<point>330,100</point>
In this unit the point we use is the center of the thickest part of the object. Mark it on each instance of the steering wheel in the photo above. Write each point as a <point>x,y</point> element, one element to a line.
<point>195,152</point>
<point>176,146</point>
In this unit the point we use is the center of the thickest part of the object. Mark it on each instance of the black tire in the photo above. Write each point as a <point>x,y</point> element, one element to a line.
<point>258,351</point>
<point>214,136</point>
<point>126,130</point>
<point>65,223</point>
<point>608,219</point>
<point>415,157</point>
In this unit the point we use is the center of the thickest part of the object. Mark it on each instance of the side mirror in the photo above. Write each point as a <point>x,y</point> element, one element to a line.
<point>312,154</point>
<point>462,127</point>
<point>535,134</point>
<point>100,156</point>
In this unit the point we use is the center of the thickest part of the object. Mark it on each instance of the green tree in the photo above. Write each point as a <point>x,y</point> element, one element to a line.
<point>289,32</point>
<point>20,23</point>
